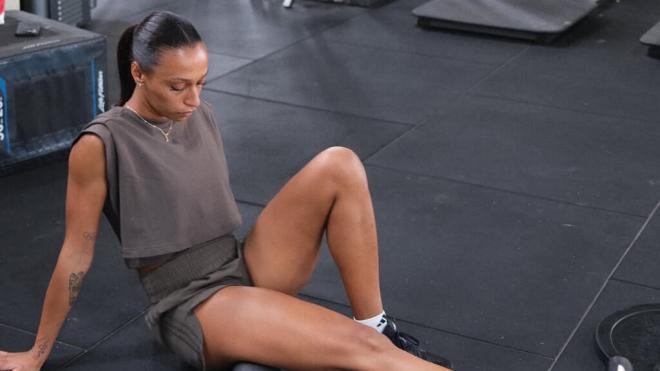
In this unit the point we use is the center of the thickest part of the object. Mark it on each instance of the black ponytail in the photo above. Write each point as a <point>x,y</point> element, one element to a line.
<point>124,59</point>
<point>142,43</point>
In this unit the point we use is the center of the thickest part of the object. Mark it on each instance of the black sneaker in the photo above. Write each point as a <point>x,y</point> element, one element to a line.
<point>411,345</point>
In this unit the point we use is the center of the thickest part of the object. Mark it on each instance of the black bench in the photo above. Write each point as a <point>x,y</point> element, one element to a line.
<point>652,39</point>
<point>536,20</point>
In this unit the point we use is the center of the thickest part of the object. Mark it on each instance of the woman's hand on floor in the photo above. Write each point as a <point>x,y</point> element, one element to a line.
<point>23,361</point>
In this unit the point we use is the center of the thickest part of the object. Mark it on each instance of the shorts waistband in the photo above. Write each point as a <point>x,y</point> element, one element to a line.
<point>192,264</point>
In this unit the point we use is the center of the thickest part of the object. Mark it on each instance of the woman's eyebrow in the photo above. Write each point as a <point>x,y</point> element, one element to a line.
<point>188,80</point>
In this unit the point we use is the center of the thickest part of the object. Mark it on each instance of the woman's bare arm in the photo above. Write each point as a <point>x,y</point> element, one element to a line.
<point>85,195</point>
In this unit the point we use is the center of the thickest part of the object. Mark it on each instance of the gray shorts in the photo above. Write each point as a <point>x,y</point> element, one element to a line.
<point>178,286</point>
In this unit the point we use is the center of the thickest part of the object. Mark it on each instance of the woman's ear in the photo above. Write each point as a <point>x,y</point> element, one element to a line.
<point>137,73</point>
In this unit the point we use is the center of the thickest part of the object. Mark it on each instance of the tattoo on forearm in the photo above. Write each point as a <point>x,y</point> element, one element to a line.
<point>75,283</point>
<point>42,347</point>
<point>89,238</point>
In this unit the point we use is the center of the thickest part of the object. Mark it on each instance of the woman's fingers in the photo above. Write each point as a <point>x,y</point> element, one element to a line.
<point>12,362</point>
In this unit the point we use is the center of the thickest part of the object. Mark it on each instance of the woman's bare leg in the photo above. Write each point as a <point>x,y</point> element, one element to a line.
<point>264,324</point>
<point>273,328</point>
<point>330,192</point>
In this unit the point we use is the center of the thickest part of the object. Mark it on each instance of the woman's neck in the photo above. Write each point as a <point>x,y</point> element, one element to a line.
<point>145,110</point>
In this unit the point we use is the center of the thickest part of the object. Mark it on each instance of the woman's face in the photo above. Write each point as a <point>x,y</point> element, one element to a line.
<point>173,87</point>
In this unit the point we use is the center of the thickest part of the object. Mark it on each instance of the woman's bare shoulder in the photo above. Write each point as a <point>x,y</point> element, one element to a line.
<point>87,157</point>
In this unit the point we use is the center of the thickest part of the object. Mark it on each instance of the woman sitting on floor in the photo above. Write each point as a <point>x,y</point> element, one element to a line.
<point>155,165</point>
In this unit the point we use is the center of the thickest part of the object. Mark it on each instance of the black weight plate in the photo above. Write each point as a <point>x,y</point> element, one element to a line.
<point>633,333</point>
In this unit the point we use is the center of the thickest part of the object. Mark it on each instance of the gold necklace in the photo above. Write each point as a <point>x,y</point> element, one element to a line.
<point>166,134</point>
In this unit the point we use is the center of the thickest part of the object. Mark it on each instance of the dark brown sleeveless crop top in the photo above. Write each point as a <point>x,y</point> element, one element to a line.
<point>164,197</point>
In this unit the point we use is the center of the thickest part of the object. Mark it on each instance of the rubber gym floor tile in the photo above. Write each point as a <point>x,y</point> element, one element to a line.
<point>466,354</point>
<point>254,29</point>
<point>249,214</point>
<point>366,82</point>
<point>406,4</point>
<point>577,157</point>
<point>132,348</point>
<point>393,29</point>
<point>267,143</point>
<point>13,340</point>
<point>599,80</point>
<point>615,26</point>
<point>112,17</point>
<point>33,232</point>
<point>582,353</point>
<point>643,6</point>
<point>222,64</point>
<point>109,27</point>
<point>511,270</point>
<point>640,265</point>
<point>109,9</point>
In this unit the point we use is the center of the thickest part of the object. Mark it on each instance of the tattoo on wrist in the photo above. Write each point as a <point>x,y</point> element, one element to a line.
<point>75,283</point>
<point>42,347</point>
<point>89,237</point>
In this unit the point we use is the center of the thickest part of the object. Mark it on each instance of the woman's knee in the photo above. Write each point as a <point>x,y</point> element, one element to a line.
<point>342,166</point>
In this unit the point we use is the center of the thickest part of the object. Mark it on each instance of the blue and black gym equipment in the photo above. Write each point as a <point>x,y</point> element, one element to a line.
<point>53,80</point>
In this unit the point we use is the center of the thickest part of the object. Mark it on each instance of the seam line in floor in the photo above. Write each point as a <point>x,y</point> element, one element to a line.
<point>628,282</point>
<point>388,144</point>
<point>310,108</point>
<point>408,52</point>
<point>504,190</point>
<point>496,70</point>
<point>560,108</point>
<point>103,339</point>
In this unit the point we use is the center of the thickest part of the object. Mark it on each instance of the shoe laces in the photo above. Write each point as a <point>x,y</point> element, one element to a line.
<point>408,343</point>
<point>411,344</point>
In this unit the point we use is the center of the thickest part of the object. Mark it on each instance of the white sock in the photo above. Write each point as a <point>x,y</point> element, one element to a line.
<point>377,322</point>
